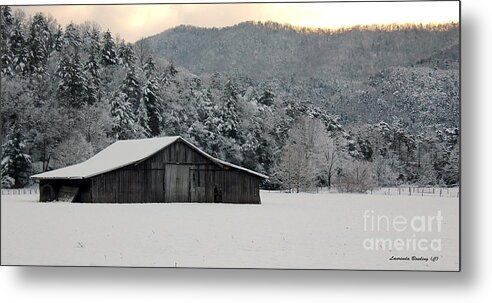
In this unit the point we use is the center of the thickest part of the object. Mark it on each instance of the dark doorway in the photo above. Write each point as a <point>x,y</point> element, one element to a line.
<point>47,193</point>
<point>217,195</point>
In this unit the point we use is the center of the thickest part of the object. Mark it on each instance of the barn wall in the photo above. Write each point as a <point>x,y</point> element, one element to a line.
<point>175,174</point>
<point>128,185</point>
<point>238,187</point>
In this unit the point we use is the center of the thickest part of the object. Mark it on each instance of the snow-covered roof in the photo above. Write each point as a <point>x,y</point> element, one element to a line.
<point>123,153</point>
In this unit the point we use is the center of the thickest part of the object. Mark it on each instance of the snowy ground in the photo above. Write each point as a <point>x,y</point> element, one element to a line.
<point>286,231</point>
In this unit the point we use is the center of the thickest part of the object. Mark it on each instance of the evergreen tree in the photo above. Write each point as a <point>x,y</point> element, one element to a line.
<point>198,131</point>
<point>6,26</point>
<point>39,45</point>
<point>126,54</point>
<point>16,163</point>
<point>109,56</point>
<point>142,119</point>
<point>257,144</point>
<point>72,86</point>
<point>150,109</point>
<point>71,39</point>
<point>267,98</point>
<point>172,71</point>
<point>92,68</point>
<point>213,136</point>
<point>169,75</point>
<point>152,103</point>
<point>229,111</point>
<point>451,171</point>
<point>57,41</point>
<point>131,88</point>
<point>18,49</point>
<point>123,119</point>
<point>92,65</point>
<point>149,67</point>
<point>7,18</point>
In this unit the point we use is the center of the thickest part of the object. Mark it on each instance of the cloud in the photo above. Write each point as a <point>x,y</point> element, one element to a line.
<point>132,22</point>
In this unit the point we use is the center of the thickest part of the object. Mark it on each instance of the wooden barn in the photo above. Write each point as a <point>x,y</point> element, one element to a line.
<point>157,170</point>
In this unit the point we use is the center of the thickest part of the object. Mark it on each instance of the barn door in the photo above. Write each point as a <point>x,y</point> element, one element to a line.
<point>176,183</point>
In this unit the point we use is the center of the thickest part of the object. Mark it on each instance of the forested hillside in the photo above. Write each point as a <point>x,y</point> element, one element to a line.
<point>264,50</point>
<point>345,72</point>
<point>356,109</point>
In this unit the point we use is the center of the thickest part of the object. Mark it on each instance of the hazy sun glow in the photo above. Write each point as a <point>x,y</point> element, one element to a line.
<point>132,22</point>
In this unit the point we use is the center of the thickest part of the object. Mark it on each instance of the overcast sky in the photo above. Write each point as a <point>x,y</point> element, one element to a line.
<point>132,22</point>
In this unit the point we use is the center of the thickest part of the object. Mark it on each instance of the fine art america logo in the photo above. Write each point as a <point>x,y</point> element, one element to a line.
<point>402,233</point>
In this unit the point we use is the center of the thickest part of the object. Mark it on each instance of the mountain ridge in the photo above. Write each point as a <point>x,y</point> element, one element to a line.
<point>265,50</point>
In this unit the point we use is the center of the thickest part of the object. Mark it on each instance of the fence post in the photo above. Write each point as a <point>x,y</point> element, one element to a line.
<point>409,191</point>
<point>440,192</point>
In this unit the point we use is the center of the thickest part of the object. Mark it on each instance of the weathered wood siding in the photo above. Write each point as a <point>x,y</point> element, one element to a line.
<point>128,185</point>
<point>176,174</point>
<point>238,186</point>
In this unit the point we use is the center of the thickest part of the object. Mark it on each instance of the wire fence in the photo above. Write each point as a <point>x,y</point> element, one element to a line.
<point>20,191</point>
<point>450,192</point>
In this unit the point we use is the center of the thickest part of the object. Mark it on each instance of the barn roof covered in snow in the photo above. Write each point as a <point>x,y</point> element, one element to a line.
<point>123,153</point>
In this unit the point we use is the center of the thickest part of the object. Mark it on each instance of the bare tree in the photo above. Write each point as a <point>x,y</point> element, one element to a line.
<point>385,169</point>
<point>299,166</point>
<point>328,154</point>
<point>142,51</point>
<point>355,176</point>
<point>73,150</point>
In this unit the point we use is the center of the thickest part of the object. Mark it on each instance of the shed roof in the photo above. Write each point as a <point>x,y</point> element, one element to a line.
<point>123,153</point>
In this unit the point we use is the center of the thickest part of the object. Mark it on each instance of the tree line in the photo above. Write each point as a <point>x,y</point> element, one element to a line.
<point>68,92</point>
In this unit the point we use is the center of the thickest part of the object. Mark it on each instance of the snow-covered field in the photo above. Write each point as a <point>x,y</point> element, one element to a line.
<point>286,231</point>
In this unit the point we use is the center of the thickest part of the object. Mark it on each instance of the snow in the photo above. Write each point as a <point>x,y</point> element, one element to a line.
<point>285,231</point>
<point>118,154</point>
<point>123,153</point>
